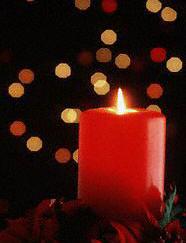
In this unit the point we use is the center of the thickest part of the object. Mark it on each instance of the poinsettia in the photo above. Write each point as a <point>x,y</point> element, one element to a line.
<point>37,225</point>
<point>55,221</point>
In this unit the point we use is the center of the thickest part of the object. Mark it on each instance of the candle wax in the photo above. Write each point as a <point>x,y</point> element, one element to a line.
<point>121,161</point>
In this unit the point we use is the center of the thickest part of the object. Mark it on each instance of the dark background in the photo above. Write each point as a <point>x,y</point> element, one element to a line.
<point>41,34</point>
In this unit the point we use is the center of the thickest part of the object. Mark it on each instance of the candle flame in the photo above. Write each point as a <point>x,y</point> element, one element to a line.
<point>121,106</point>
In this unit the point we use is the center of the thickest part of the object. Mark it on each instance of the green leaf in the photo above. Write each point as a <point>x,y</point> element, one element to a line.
<point>166,219</point>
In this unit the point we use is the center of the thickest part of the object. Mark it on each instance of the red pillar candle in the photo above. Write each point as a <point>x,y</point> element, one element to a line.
<point>121,161</point>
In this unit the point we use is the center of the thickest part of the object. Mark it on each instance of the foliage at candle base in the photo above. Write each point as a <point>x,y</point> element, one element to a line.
<point>55,221</point>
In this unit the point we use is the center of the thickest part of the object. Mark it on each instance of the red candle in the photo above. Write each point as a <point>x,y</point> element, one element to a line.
<point>121,160</point>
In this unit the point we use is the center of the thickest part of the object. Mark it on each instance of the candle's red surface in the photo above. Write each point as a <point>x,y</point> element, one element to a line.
<point>121,161</point>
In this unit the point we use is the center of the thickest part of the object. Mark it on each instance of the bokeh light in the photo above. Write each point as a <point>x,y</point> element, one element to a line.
<point>62,155</point>
<point>109,37</point>
<point>75,155</point>
<point>70,115</point>
<point>63,70</point>
<point>26,76</point>
<point>153,6</point>
<point>103,55</point>
<point>82,4</point>
<point>174,64</point>
<point>97,76</point>
<point>85,58</point>
<point>158,54</point>
<point>34,144</point>
<point>168,14</point>
<point>16,90</point>
<point>109,6</point>
<point>100,83</point>
<point>155,91</point>
<point>102,89</point>
<point>122,61</point>
<point>17,128</point>
<point>153,108</point>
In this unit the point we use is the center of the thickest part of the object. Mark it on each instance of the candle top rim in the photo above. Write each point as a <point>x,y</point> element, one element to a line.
<point>129,112</point>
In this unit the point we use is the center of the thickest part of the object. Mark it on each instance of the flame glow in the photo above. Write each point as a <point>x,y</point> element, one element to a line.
<point>121,106</point>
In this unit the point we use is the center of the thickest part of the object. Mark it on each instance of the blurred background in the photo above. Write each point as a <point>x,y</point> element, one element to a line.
<point>60,57</point>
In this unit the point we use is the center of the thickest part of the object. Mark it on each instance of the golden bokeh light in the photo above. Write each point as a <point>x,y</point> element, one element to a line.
<point>75,155</point>
<point>102,90</point>
<point>174,64</point>
<point>63,70</point>
<point>153,108</point>
<point>103,55</point>
<point>100,83</point>
<point>98,76</point>
<point>154,91</point>
<point>17,128</point>
<point>108,37</point>
<point>70,115</point>
<point>16,90</point>
<point>122,61</point>
<point>82,4</point>
<point>26,76</point>
<point>34,144</point>
<point>62,155</point>
<point>168,14</point>
<point>153,6</point>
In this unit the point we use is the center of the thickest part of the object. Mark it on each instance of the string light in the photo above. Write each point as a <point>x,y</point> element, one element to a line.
<point>158,54</point>
<point>75,155</point>
<point>153,108</point>
<point>108,37</point>
<point>122,61</point>
<point>97,76</point>
<point>17,128</point>
<point>102,90</point>
<point>155,91</point>
<point>26,76</point>
<point>16,90</point>
<point>174,64</point>
<point>82,4</point>
<point>153,6</point>
<point>62,155</point>
<point>103,55</point>
<point>63,70</point>
<point>34,144</point>
<point>168,14</point>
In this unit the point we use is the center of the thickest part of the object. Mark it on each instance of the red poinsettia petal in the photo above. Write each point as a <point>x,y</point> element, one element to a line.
<point>6,237</point>
<point>44,206</point>
<point>19,228</point>
<point>124,235</point>
<point>183,234</point>
<point>72,206</point>
<point>174,227</point>
<point>50,228</point>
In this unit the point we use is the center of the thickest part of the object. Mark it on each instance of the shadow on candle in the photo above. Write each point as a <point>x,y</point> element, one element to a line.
<point>154,205</point>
